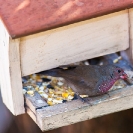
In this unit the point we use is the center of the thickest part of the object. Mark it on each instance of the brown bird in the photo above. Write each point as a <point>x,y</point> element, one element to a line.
<point>90,80</point>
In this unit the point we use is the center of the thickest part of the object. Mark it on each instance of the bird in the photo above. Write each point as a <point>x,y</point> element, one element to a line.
<point>91,80</point>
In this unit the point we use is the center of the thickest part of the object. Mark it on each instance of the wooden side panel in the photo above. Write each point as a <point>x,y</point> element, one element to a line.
<point>76,42</point>
<point>10,74</point>
<point>130,50</point>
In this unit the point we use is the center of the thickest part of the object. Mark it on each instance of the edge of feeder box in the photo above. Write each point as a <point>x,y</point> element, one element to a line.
<point>59,115</point>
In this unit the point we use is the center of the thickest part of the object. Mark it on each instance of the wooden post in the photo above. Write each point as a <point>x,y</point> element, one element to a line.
<point>10,74</point>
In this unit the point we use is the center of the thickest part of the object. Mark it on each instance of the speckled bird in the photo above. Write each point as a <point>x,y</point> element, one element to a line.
<point>90,80</point>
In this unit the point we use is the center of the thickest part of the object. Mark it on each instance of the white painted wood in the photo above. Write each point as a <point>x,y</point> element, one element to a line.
<point>76,42</point>
<point>10,74</point>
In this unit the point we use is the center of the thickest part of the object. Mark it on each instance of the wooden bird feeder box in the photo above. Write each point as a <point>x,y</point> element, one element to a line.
<point>40,35</point>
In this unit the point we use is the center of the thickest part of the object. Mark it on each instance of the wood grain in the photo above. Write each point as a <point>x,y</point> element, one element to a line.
<point>76,42</point>
<point>10,74</point>
<point>35,102</point>
<point>31,16</point>
<point>75,111</point>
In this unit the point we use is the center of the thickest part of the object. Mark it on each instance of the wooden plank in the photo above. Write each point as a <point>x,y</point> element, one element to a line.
<point>34,102</point>
<point>75,111</point>
<point>10,74</point>
<point>24,17</point>
<point>76,42</point>
<point>31,114</point>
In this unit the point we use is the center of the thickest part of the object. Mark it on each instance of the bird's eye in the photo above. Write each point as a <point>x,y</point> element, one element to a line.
<point>119,71</point>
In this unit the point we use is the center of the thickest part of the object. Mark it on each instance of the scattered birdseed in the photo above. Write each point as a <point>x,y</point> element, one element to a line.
<point>52,89</point>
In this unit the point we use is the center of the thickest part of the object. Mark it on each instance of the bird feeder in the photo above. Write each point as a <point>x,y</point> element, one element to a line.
<point>40,35</point>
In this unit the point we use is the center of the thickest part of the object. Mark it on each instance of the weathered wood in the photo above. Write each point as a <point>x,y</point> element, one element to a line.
<point>76,42</point>
<point>71,112</point>
<point>34,102</point>
<point>10,74</point>
<point>31,114</point>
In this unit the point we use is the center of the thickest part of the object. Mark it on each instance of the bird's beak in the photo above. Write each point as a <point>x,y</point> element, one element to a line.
<point>124,76</point>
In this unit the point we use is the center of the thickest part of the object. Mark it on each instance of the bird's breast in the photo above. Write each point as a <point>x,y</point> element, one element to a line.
<point>106,85</point>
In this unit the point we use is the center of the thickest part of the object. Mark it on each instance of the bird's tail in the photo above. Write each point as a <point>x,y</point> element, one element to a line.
<point>53,72</point>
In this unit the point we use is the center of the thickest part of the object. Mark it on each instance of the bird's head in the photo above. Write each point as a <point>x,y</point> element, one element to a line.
<point>119,73</point>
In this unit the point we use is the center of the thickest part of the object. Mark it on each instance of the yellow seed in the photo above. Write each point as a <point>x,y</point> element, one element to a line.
<point>31,93</point>
<point>37,88</point>
<point>59,98</point>
<point>50,103</point>
<point>51,91</point>
<point>50,95</point>
<point>70,90</point>
<point>115,60</point>
<point>72,93</point>
<point>56,87</point>
<point>40,92</point>
<point>65,95</point>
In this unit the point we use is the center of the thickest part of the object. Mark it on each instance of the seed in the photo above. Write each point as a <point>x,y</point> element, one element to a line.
<point>51,91</point>
<point>119,58</point>
<point>65,95</point>
<point>40,92</point>
<point>49,99</point>
<point>50,95</point>
<point>46,90</point>
<point>72,93</point>
<point>45,83</point>
<point>44,95</point>
<point>50,103</point>
<point>70,97</point>
<point>115,60</point>
<point>31,92</point>
<point>60,83</point>
<point>56,87</point>
<point>59,98</point>
<point>57,101</point>
<point>37,88</point>
<point>83,96</point>
<point>41,88</point>
<point>29,87</point>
